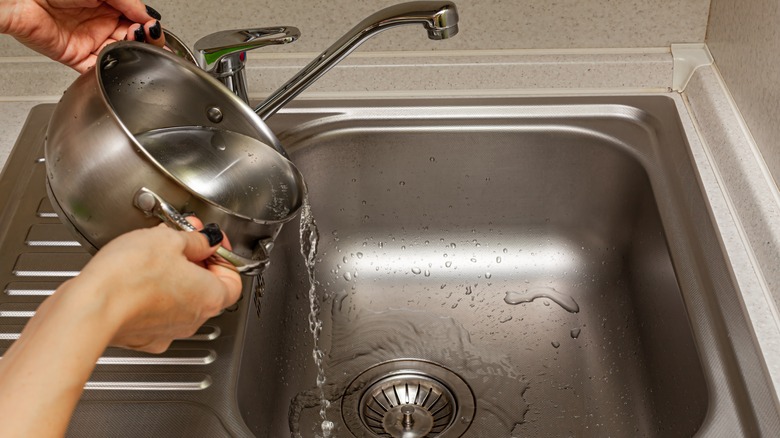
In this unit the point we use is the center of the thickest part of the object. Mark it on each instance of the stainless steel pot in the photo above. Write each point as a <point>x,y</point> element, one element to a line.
<point>96,169</point>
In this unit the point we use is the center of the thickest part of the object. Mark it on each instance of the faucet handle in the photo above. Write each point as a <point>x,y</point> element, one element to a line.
<point>221,54</point>
<point>212,50</point>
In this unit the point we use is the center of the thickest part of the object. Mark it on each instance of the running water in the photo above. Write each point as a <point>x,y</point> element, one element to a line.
<point>258,288</point>
<point>310,236</point>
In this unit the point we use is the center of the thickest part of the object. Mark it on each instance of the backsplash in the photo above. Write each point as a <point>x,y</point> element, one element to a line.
<point>744,39</point>
<point>484,24</point>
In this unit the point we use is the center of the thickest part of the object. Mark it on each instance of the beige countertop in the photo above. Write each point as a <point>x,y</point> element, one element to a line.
<point>744,199</point>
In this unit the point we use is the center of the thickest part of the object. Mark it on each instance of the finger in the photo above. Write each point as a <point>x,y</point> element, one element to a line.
<point>198,224</point>
<point>154,33</point>
<point>135,33</point>
<point>195,222</point>
<point>85,64</point>
<point>120,33</point>
<point>222,269</point>
<point>201,245</point>
<point>229,277</point>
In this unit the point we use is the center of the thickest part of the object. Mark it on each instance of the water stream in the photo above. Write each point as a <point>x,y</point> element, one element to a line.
<point>368,338</point>
<point>309,237</point>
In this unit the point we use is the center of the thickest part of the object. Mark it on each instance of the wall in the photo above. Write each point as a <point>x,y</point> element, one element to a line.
<point>485,24</point>
<point>744,39</point>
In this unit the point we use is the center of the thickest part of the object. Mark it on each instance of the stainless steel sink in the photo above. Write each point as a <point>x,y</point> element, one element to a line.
<point>486,268</point>
<point>440,221</point>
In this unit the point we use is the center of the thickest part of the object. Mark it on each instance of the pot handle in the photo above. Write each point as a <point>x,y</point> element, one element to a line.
<point>153,205</point>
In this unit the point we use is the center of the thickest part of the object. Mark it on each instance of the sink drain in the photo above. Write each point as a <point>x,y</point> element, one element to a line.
<point>408,399</point>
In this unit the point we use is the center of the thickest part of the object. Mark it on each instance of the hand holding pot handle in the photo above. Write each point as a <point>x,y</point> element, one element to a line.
<point>151,204</point>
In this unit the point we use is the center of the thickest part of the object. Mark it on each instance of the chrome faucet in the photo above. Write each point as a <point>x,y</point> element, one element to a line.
<point>223,54</point>
<point>440,19</point>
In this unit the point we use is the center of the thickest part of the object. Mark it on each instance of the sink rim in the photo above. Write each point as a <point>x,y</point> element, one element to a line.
<point>296,126</point>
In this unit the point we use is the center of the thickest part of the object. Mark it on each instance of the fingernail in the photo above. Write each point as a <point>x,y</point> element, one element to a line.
<point>155,31</point>
<point>212,233</point>
<point>139,35</point>
<point>153,13</point>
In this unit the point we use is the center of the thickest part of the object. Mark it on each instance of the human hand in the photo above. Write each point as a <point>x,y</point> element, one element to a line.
<point>74,31</point>
<point>142,290</point>
<point>156,285</point>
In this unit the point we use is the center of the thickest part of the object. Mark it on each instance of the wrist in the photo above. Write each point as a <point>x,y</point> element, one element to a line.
<point>87,302</point>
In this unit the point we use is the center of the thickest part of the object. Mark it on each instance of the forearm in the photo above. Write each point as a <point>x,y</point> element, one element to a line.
<point>43,374</point>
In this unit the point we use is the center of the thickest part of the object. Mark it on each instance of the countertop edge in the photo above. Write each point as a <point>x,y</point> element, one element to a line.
<point>745,203</point>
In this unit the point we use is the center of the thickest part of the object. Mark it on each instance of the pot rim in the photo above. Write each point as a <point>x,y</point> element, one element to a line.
<point>236,101</point>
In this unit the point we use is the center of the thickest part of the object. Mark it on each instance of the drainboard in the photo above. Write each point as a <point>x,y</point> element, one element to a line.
<point>182,392</point>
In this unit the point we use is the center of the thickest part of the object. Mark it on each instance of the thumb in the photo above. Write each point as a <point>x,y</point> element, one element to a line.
<point>202,244</point>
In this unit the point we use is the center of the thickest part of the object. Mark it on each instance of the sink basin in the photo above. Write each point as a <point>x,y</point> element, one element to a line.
<point>502,267</point>
<point>550,265</point>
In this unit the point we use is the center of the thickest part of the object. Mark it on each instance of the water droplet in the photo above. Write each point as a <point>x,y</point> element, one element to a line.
<point>427,273</point>
<point>401,183</point>
<point>555,344</point>
<point>359,255</point>
<point>488,275</point>
<point>448,264</point>
<point>432,159</point>
<point>416,270</point>
<point>533,293</point>
<point>505,251</point>
<point>575,333</point>
<point>504,319</point>
<point>498,259</point>
<point>347,276</point>
<point>473,260</point>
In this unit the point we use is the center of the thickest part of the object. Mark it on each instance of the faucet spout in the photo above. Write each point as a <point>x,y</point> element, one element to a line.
<point>440,19</point>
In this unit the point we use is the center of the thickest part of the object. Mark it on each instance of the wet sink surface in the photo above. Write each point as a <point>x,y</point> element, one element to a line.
<point>486,268</point>
<point>555,255</point>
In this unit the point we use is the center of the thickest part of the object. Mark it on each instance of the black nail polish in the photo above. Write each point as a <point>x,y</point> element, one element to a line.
<point>155,31</point>
<point>212,233</point>
<point>153,13</point>
<point>139,35</point>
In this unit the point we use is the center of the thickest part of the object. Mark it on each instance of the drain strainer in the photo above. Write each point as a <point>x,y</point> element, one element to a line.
<point>408,399</point>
